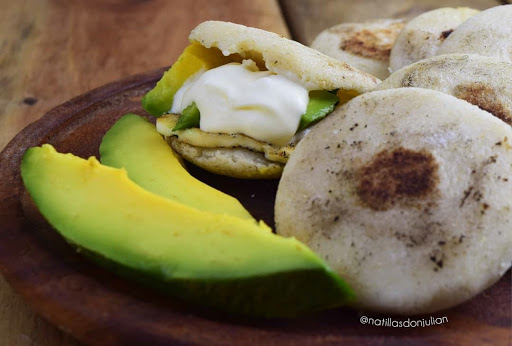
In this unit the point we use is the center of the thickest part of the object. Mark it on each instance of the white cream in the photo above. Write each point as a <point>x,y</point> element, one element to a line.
<point>238,98</point>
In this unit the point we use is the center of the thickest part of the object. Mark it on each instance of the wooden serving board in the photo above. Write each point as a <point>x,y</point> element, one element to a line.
<point>54,50</point>
<point>99,308</point>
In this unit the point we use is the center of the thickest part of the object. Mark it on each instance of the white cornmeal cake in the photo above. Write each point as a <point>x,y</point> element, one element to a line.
<point>483,81</point>
<point>406,194</point>
<point>301,64</point>
<point>365,46</point>
<point>423,35</point>
<point>487,33</point>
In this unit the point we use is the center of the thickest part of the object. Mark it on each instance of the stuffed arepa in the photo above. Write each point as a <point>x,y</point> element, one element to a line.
<point>406,194</point>
<point>487,33</point>
<point>424,34</point>
<point>240,98</point>
<point>365,45</point>
<point>483,81</point>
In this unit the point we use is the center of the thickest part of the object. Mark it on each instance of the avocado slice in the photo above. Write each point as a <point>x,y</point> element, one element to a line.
<point>215,260</point>
<point>189,118</point>
<point>135,145</point>
<point>321,103</point>
<point>194,58</point>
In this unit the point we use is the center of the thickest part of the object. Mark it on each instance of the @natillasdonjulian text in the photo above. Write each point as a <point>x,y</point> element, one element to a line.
<point>408,323</point>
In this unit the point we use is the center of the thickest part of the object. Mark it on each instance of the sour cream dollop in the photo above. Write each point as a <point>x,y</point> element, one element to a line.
<point>238,98</point>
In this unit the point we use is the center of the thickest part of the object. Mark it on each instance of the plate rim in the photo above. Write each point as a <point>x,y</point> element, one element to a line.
<point>59,116</point>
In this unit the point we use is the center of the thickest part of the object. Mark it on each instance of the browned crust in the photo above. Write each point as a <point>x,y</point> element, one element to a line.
<point>486,98</point>
<point>373,44</point>
<point>445,34</point>
<point>392,175</point>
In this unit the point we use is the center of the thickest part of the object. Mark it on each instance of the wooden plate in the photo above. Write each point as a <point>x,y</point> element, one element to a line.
<point>99,308</point>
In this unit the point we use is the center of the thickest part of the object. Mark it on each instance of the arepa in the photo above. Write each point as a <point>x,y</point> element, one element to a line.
<point>282,56</point>
<point>487,33</point>
<point>261,116</point>
<point>365,46</point>
<point>406,194</point>
<point>483,81</point>
<point>423,35</point>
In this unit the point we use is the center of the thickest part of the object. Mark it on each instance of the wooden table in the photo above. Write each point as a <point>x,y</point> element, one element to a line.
<point>51,51</point>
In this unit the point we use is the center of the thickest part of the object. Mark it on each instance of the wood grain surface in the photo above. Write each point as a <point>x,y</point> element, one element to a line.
<point>51,51</point>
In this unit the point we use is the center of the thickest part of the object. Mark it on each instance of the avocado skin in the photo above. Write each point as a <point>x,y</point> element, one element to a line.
<point>269,276</point>
<point>280,295</point>
<point>189,118</point>
<point>158,100</point>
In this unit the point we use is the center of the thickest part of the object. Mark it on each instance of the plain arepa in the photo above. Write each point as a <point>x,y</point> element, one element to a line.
<point>406,194</point>
<point>487,33</point>
<point>483,81</point>
<point>423,35</point>
<point>365,45</point>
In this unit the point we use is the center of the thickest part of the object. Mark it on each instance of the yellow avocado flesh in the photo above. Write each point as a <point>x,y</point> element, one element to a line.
<point>135,145</point>
<point>217,260</point>
<point>194,58</point>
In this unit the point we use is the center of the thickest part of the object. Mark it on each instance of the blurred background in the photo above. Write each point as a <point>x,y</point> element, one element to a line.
<point>54,50</point>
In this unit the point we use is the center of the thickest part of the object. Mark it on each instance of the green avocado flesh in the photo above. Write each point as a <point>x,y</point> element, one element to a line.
<point>211,259</point>
<point>195,57</point>
<point>321,103</point>
<point>189,118</point>
<point>135,145</point>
